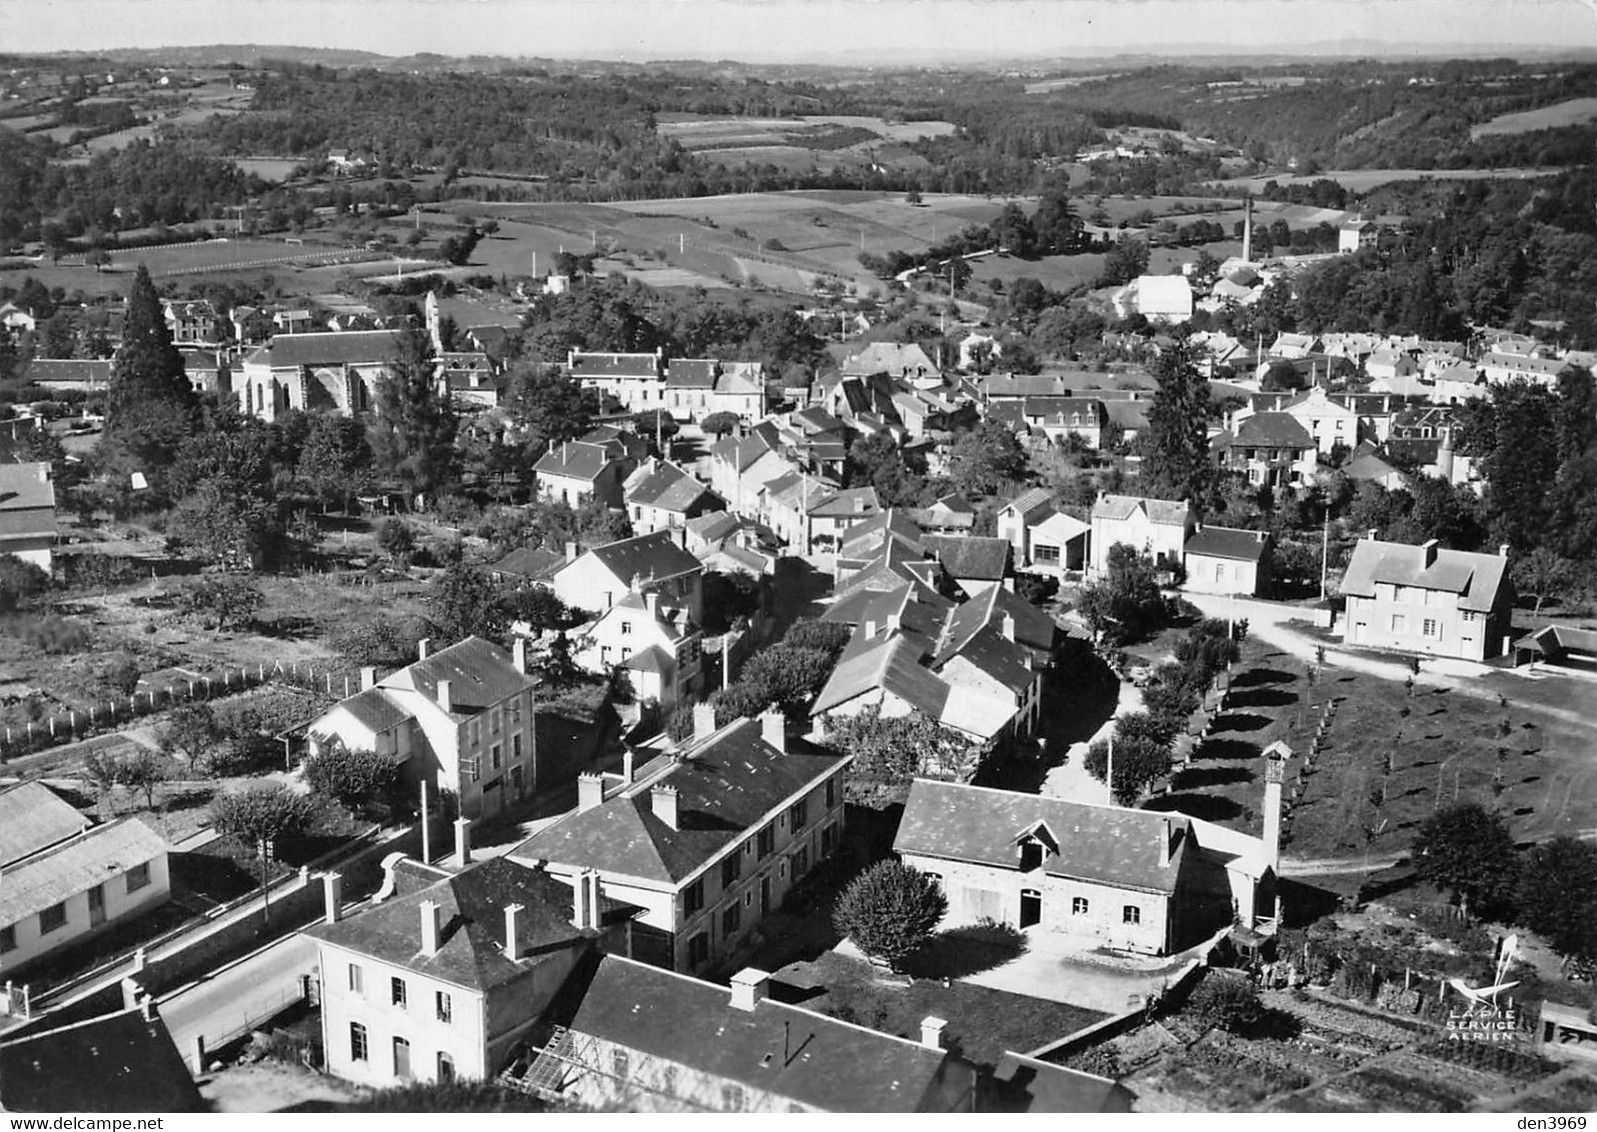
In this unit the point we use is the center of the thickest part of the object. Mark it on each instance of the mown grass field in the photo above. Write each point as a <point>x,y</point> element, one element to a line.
<point>1363,180</point>
<point>1575,112</point>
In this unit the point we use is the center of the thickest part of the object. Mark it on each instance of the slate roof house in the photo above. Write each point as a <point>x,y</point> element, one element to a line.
<point>647,1040</point>
<point>459,719</point>
<point>659,646</point>
<point>659,495</point>
<point>1044,539</point>
<point>1427,599</point>
<point>1268,448</point>
<point>706,839</point>
<point>1227,560</point>
<point>441,980</point>
<point>1155,527</point>
<point>635,380</point>
<point>657,562</point>
<point>27,513</point>
<point>1133,880</point>
<point>576,472</point>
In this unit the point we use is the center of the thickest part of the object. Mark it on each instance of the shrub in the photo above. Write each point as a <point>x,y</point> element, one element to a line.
<point>123,674</point>
<point>890,910</point>
<point>258,813</point>
<point>353,775</point>
<point>56,635</point>
<point>1226,1002</point>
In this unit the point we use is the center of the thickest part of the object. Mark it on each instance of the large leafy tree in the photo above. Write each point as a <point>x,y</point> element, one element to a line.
<point>413,431</point>
<point>1557,896</point>
<point>546,407</point>
<point>889,752</point>
<point>986,458</point>
<point>354,775</point>
<point>1141,757</point>
<point>1515,435</point>
<point>1467,850</point>
<point>336,458</point>
<point>890,911</point>
<point>1124,605</point>
<point>261,813</point>
<point>465,601</point>
<point>1176,460</point>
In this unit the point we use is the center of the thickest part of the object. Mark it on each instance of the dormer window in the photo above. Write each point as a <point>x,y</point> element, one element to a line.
<point>1031,854</point>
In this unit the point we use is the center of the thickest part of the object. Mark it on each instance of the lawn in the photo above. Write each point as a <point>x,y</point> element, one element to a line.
<point>983,1024</point>
<point>1574,112</point>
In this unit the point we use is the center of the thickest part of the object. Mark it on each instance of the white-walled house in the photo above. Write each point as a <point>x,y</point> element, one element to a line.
<point>1155,527</point>
<point>27,513</point>
<point>78,888</point>
<point>1228,560</point>
<point>705,840</point>
<point>442,979</point>
<point>659,646</point>
<point>1428,599</point>
<point>458,719</point>
<point>657,562</point>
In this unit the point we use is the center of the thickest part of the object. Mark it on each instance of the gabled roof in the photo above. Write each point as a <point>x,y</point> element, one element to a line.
<point>1103,844</point>
<point>375,709</point>
<point>725,785</point>
<point>981,558</point>
<point>76,866</point>
<point>33,817</point>
<point>888,357</point>
<point>655,555</point>
<point>1081,412</point>
<point>1034,629</point>
<point>691,373</point>
<point>1474,578</point>
<point>794,1053</point>
<point>119,1063</point>
<point>1272,430</point>
<point>351,347</point>
<point>575,460</point>
<point>480,675</point>
<point>27,487</point>
<point>849,501</point>
<point>662,484</point>
<point>893,666</point>
<point>531,562</point>
<point>1027,502</point>
<point>1117,508</point>
<point>49,371</point>
<point>471,915</point>
<point>581,363</point>
<point>1228,542</point>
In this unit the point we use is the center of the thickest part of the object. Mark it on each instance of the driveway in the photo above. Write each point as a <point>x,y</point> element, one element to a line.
<point>229,1002</point>
<point>1055,967</point>
<point>1070,780</point>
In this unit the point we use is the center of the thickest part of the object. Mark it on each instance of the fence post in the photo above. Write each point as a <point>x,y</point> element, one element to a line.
<point>74,722</point>
<point>52,725</point>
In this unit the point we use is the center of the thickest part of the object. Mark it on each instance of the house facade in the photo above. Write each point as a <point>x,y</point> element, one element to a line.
<point>1227,560</point>
<point>73,890</point>
<point>459,719</point>
<point>1427,599</point>
<point>1155,527</point>
<point>1269,449</point>
<point>637,381</point>
<point>576,472</point>
<point>193,323</point>
<point>27,513</point>
<point>659,496</point>
<point>440,980</point>
<point>706,840</point>
<point>651,563</point>
<point>1044,539</point>
<point>660,647</point>
<point>1126,879</point>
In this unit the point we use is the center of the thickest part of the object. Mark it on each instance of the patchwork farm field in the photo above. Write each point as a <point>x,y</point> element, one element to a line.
<point>1575,112</point>
<point>1363,180</point>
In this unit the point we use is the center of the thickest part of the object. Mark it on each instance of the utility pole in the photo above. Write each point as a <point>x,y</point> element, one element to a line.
<point>682,243</point>
<point>1109,772</point>
<point>426,834</point>
<point>1325,547</point>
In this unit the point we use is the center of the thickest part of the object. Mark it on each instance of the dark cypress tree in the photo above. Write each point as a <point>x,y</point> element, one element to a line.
<point>1176,460</point>
<point>413,431</point>
<point>150,404</point>
<point>147,366</point>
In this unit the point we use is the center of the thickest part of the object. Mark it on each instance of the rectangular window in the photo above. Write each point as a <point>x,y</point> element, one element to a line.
<point>1078,906</point>
<point>444,1007</point>
<point>626,628</point>
<point>831,793</point>
<point>1131,914</point>
<point>801,862</point>
<point>1045,555</point>
<point>8,938</point>
<point>731,1098</point>
<point>357,1042</point>
<point>620,1064</point>
<point>1430,628</point>
<point>446,1068</point>
<point>476,732</point>
<point>396,991</point>
<point>731,920</point>
<point>1399,623</point>
<point>139,877</point>
<point>493,722</point>
<point>1470,615</point>
<point>798,815</point>
<point>52,919</point>
<point>495,757</point>
<point>515,747</point>
<point>357,979</point>
<point>698,949</point>
<point>401,1058</point>
<point>693,897</point>
<point>765,842</point>
<point>828,839</point>
<point>731,869</point>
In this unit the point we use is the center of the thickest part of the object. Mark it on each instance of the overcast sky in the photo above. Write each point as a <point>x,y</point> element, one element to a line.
<point>762,30</point>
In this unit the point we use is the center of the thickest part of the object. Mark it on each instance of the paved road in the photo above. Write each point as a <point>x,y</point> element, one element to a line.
<point>238,997</point>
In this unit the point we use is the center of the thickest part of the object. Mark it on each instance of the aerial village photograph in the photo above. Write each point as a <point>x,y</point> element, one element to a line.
<point>765,556</point>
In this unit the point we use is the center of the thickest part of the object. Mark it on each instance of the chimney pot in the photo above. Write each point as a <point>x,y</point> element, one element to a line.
<point>1428,551</point>
<point>931,1031</point>
<point>368,678</point>
<point>703,721</point>
<point>518,655</point>
<point>513,931</point>
<point>664,800</point>
<point>429,927</point>
<point>424,647</point>
<point>628,765</point>
<point>571,552</point>
<point>1502,550</point>
<point>1009,627</point>
<point>870,630</point>
<point>773,728</point>
<point>749,986</point>
<point>333,896</point>
<point>1164,843</point>
<point>590,791</point>
<point>463,840</point>
<point>446,695</point>
<point>147,1008</point>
